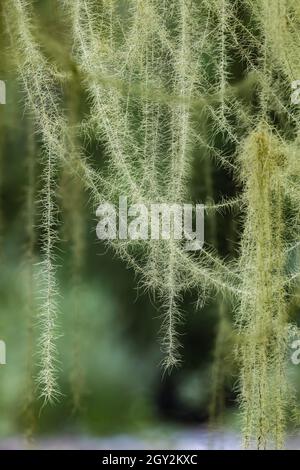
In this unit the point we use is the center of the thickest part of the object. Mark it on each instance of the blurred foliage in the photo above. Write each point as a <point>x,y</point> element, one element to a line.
<point>113,347</point>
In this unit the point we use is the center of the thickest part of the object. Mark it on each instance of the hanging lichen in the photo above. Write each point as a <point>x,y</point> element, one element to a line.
<point>151,71</point>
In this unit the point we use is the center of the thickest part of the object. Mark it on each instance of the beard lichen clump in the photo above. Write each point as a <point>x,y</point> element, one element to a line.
<point>262,317</point>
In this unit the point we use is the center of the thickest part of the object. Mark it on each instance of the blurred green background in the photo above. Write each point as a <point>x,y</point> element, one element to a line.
<point>112,348</point>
